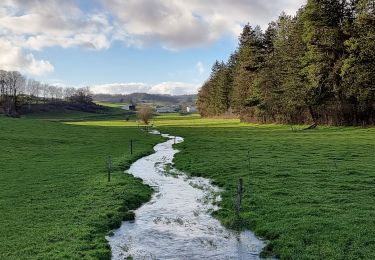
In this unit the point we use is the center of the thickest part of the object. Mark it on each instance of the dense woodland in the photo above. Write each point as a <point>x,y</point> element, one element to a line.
<point>317,67</point>
<point>17,92</point>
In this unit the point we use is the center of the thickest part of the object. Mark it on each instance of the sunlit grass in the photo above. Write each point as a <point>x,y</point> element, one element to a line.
<point>55,201</point>
<point>310,192</point>
<point>108,104</point>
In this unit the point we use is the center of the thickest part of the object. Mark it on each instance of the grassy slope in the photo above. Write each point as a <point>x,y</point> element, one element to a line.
<point>55,201</point>
<point>311,193</point>
<point>111,112</point>
<point>108,104</point>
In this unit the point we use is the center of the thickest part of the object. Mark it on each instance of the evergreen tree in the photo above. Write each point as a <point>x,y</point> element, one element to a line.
<point>324,38</point>
<point>359,68</point>
<point>250,59</point>
<point>318,66</point>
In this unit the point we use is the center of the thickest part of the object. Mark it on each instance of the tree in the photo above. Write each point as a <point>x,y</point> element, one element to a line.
<point>145,114</point>
<point>215,95</point>
<point>16,84</point>
<point>82,96</point>
<point>324,37</point>
<point>318,67</point>
<point>358,70</point>
<point>249,60</point>
<point>33,90</point>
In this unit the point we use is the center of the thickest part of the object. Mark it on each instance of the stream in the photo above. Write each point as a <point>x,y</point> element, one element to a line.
<point>176,223</point>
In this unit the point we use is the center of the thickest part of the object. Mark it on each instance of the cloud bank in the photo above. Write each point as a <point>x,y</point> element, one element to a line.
<point>32,25</point>
<point>171,88</point>
<point>13,58</point>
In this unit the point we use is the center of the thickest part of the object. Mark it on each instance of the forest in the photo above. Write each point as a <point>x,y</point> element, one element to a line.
<point>18,92</point>
<point>317,67</point>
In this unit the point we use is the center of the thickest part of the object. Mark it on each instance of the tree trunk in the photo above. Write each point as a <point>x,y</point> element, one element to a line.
<point>313,115</point>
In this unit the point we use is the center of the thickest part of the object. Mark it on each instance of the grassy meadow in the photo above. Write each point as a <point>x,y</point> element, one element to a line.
<point>310,193</point>
<point>109,112</point>
<point>55,201</point>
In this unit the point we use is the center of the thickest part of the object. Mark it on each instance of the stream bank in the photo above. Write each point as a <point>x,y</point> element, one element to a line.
<point>176,223</point>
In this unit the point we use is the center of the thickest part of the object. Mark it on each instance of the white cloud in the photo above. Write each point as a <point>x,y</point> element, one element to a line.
<point>173,23</point>
<point>120,88</point>
<point>174,88</point>
<point>13,58</point>
<point>177,24</point>
<point>200,68</point>
<point>33,25</point>
<point>171,88</point>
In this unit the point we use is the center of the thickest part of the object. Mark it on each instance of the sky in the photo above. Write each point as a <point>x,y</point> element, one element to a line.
<point>126,46</point>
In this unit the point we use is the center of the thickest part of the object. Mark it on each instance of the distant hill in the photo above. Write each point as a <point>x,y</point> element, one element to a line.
<point>157,99</point>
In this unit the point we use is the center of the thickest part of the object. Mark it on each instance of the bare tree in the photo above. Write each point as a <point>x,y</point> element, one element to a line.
<point>81,96</point>
<point>33,90</point>
<point>68,93</point>
<point>16,84</point>
<point>59,93</point>
<point>52,92</point>
<point>145,114</point>
<point>45,91</point>
<point>16,91</point>
<point>3,81</point>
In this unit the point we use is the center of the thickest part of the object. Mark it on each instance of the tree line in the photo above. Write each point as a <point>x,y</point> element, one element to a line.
<point>315,67</point>
<point>17,91</point>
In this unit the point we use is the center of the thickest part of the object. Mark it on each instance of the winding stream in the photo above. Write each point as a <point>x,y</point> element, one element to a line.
<point>176,223</point>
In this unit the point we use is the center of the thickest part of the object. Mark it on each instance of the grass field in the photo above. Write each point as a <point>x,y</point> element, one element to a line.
<point>55,201</point>
<point>311,193</point>
<point>109,112</point>
<point>108,104</point>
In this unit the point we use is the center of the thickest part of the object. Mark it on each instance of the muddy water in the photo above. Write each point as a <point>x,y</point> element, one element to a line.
<point>176,223</point>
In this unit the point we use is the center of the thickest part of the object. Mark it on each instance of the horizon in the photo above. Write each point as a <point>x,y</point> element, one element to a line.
<point>101,44</point>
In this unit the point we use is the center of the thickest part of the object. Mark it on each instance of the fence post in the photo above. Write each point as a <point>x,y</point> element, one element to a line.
<point>249,160</point>
<point>109,167</point>
<point>239,198</point>
<point>131,146</point>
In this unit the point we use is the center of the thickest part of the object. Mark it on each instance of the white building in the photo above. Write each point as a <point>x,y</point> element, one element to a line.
<point>166,110</point>
<point>191,109</point>
<point>126,107</point>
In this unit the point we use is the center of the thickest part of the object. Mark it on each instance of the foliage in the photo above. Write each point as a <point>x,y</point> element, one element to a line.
<point>145,114</point>
<point>16,92</point>
<point>316,67</point>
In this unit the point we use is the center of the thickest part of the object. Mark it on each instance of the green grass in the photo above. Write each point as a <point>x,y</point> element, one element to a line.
<point>109,113</point>
<point>108,104</point>
<point>55,201</point>
<point>310,193</point>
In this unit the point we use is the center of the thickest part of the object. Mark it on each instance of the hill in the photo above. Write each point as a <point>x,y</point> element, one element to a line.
<point>158,99</point>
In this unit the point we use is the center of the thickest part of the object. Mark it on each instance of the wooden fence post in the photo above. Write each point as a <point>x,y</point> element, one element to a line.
<point>239,198</point>
<point>249,160</point>
<point>109,167</point>
<point>131,146</point>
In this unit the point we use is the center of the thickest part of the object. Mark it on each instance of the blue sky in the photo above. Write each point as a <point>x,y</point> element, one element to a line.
<point>124,46</point>
<point>152,64</point>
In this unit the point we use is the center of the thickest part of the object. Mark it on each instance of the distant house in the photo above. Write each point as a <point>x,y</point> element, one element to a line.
<point>126,107</point>
<point>191,109</point>
<point>166,110</point>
